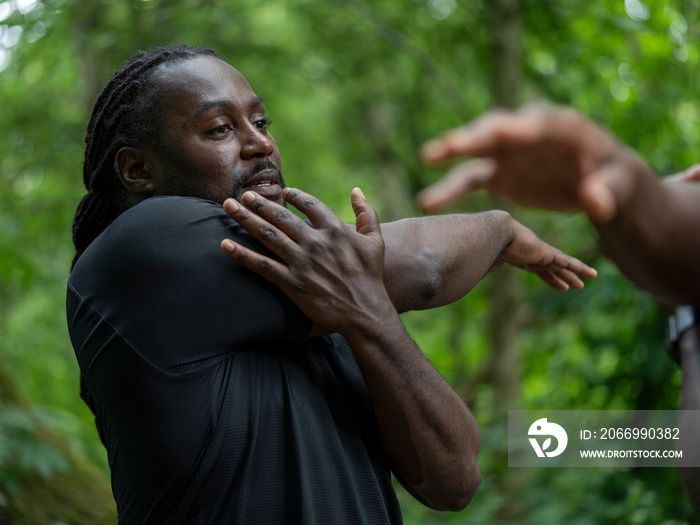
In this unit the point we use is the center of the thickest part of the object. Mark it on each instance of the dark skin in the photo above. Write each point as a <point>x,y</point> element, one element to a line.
<point>554,158</point>
<point>348,279</point>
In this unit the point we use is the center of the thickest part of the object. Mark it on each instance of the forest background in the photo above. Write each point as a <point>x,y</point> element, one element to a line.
<point>353,88</point>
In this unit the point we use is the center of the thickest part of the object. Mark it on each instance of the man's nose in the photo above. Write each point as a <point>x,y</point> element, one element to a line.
<point>257,143</point>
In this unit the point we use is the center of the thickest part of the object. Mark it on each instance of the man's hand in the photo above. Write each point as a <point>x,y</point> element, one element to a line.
<point>334,274</point>
<point>539,156</point>
<point>528,252</point>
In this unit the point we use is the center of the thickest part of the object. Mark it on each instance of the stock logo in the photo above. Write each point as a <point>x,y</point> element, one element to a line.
<point>543,428</point>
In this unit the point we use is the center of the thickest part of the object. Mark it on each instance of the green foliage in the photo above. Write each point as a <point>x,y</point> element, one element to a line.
<point>22,449</point>
<point>353,88</point>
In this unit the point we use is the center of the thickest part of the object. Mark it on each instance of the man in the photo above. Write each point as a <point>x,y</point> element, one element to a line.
<point>556,159</point>
<point>215,398</point>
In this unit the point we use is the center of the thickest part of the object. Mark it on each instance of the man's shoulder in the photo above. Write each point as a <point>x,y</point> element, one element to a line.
<point>168,210</point>
<point>167,220</point>
<point>161,231</point>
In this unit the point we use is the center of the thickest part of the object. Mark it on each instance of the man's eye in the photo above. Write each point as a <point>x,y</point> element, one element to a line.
<point>263,123</point>
<point>221,130</point>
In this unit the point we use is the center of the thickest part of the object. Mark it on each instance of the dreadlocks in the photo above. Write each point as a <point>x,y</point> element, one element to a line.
<point>125,114</point>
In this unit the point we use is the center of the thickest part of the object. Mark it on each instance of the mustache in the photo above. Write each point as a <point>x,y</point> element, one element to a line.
<point>260,165</point>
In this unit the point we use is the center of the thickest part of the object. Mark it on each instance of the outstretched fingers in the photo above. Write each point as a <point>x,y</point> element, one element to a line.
<point>573,265</point>
<point>478,138</point>
<point>565,272</point>
<point>553,277</point>
<point>462,179</point>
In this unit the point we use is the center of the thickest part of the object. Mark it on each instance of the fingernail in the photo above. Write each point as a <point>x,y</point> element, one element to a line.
<point>248,196</point>
<point>227,246</point>
<point>361,193</point>
<point>230,205</point>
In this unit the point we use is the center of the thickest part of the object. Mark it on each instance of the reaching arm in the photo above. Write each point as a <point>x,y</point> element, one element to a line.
<point>433,261</point>
<point>556,159</point>
<point>655,237</point>
<point>336,277</point>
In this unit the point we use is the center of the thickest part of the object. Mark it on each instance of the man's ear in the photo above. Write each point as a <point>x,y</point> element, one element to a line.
<point>135,169</point>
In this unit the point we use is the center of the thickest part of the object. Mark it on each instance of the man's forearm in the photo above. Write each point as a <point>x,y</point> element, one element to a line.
<point>335,276</point>
<point>432,261</point>
<point>430,436</point>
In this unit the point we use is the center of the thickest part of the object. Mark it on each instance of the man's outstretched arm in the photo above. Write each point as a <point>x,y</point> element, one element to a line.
<point>335,276</point>
<point>433,261</point>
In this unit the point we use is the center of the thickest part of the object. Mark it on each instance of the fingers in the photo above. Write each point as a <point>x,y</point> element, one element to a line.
<point>573,265</point>
<point>268,268</point>
<point>493,130</point>
<point>366,218</point>
<point>459,181</point>
<point>267,224</point>
<point>478,138</point>
<point>554,267</point>
<point>551,278</point>
<point>558,278</point>
<point>563,274</point>
<point>320,215</point>
<point>569,270</point>
<point>570,278</point>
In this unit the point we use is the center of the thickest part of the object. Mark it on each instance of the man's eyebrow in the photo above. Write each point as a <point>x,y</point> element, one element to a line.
<point>204,107</point>
<point>256,102</point>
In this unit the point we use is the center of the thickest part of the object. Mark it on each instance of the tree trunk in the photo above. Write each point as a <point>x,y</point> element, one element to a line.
<point>506,284</point>
<point>505,289</point>
<point>395,195</point>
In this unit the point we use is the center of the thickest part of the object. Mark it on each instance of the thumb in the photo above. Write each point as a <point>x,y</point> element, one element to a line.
<point>366,218</point>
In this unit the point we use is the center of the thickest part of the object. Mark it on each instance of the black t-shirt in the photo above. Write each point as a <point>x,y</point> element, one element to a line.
<point>216,407</point>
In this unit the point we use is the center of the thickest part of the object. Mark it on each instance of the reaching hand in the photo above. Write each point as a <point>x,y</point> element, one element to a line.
<point>559,270</point>
<point>333,274</point>
<point>544,157</point>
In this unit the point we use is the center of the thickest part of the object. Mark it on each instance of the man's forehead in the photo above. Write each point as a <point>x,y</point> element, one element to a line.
<point>201,78</point>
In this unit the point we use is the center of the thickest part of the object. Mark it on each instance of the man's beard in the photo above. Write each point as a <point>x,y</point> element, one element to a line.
<point>191,187</point>
<point>237,188</point>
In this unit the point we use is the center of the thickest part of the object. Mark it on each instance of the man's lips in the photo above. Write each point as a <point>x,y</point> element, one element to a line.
<point>266,183</point>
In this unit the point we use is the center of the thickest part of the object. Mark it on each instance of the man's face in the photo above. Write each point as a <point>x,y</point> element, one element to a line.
<point>214,141</point>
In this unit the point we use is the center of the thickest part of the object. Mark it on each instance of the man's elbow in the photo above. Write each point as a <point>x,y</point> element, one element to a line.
<point>456,491</point>
<point>416,283</point>
<point>433,288</point>
<point>461,497</point>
